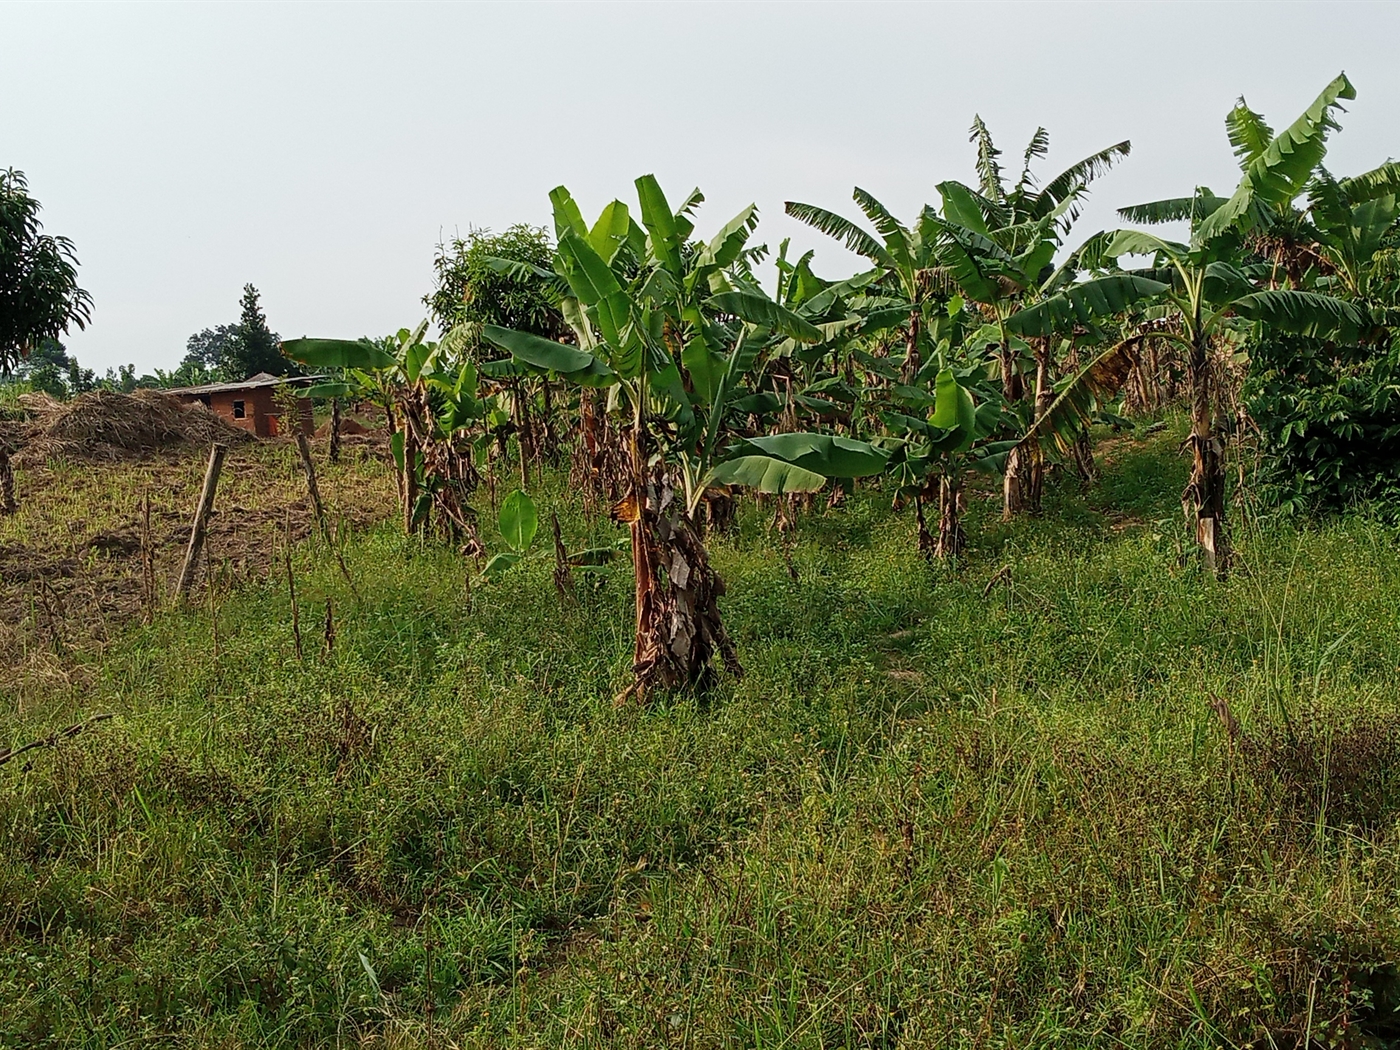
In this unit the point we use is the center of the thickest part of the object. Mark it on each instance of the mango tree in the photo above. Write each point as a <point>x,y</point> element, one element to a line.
<point>671,329</point>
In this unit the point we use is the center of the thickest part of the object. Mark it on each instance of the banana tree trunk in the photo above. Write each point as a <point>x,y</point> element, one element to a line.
<point>1084,463</point>
<point>951,537</point>
<point>7,484</point>
<point>524,431</point>
<point>928,546</point>
<point>1013,485</point>
<point>721,511</point>
<point>1014,481</point>
<point>911,348</point>
<point>1203,501</point>
<point>678,624</point>
<point>391,424</point>
<point>548,436</point>
<point>1034,487</point>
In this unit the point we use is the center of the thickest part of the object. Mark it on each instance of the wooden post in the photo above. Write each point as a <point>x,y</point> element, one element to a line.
<point>292,589</point>
<point>201,518</point>
<point>335,430</point>
<point>148,562</point>
<point>410,476</point>
<point>304,447</point>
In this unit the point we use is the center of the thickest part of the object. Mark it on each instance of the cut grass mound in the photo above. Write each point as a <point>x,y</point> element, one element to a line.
<point>103,425</point>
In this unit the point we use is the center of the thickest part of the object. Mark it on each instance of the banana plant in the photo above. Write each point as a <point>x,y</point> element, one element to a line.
<point>349,367</point>
<point>998,245</point>
<point>1206,292</point>
<point>936,439</point>
<point>900,286</point>
<point>672,329</point>
<point>1352,219</point>
<point>430,400</point>
<point>518,521</point>
<point>816,383</point>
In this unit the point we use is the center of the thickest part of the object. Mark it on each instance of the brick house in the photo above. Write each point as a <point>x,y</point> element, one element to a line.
<point>252,404</point>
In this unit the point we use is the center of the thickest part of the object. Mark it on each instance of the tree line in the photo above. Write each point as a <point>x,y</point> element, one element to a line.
<point>222,354</point>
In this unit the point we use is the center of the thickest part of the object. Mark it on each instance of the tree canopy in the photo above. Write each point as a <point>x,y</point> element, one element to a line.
<point>230,352</point>
<point>473,288</point>
<point>39,293</point>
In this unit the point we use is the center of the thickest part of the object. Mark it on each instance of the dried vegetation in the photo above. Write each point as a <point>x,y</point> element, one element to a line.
<point>81,558</point>
<point>107,426</point>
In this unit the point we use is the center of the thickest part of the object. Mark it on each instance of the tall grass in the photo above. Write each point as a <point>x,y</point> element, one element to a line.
<point>932,813</point>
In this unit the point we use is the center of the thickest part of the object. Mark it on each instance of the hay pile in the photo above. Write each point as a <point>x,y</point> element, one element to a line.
<point>12,437</point>
<point>102,425</point>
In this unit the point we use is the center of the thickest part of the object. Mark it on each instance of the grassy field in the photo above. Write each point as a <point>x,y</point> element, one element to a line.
<point>1094,800</point>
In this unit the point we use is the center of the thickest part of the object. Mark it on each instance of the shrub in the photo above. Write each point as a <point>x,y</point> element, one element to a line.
<point>1329,423</point>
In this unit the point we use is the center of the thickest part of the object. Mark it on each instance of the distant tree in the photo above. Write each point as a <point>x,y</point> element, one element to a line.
<point>472,292</point>
<point>80,380</point>
<point>256,348</point>
<point>50,368</point>
<point>209,350</point>
<point>47,369</point>
<point>230,352</point>
<point>122,378</point>
<point>39,293</point>
<point>503,280</point>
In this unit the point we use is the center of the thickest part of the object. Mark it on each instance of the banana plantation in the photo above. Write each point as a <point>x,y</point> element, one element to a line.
<point>986,335</point>
<point>991,643</point>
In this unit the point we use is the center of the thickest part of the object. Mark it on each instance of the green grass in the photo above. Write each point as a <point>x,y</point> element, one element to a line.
<point>926,816</point>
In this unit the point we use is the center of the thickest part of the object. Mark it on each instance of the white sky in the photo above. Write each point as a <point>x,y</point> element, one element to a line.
<point>319,151</point>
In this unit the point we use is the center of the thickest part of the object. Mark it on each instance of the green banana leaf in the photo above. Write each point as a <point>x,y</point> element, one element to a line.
<point>337,353</point>
<point>574,364</point>
<point>825,454</point>
<point>765,474</point>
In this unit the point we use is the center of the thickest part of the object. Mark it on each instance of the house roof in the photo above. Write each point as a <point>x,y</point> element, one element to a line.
<point>253,382</point>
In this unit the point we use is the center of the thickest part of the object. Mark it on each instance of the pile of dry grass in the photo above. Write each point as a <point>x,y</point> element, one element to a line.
<point>103,425</point>
<point>12,437</point>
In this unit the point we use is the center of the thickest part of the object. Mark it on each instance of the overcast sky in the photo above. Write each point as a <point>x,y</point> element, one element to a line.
<point>321,151</point>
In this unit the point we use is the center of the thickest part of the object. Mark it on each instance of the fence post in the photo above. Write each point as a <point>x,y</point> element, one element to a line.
<point>304,447</point>
<point>201,518</point>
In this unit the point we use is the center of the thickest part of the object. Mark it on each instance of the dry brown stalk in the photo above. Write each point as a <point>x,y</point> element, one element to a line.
<point>53,738</point>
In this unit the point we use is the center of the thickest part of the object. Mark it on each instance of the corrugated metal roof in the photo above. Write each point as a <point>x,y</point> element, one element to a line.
<point>254,382</point>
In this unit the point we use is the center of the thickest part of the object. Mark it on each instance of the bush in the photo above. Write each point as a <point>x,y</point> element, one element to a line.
<point>1329,424</point>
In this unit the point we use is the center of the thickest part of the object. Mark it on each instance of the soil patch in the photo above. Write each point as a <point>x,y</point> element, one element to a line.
<point>71,559</point>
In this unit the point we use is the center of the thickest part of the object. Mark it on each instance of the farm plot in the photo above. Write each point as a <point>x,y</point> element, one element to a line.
<point>82,558</point>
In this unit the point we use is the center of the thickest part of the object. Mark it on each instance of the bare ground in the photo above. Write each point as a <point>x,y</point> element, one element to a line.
<point>71,562</point>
